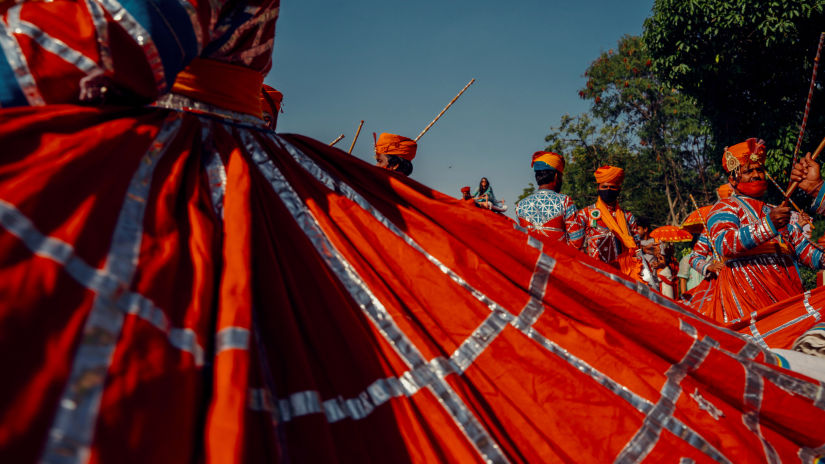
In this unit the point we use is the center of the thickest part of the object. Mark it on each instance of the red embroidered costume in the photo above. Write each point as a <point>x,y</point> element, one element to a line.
<point>178,283</point>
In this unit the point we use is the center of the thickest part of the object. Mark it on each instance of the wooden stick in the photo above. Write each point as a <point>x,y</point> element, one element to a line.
<point>808,100</point>
<point>356,137</point>
<point>705,223</point>
<point>780,189</point>
<point>332,144</point>
<point>444,110</point>
<point>794,185</point>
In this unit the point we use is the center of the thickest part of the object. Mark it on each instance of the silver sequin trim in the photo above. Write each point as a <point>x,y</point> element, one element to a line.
<point>49,43</point>
<point>215,170</point>
<point>373,308</point>
<point>645,439</point>
<point>141,36</point>
<point>102,30</point>
<point>178,102</point>
<point>94,279</point>
<point>673,425</point>
<point>19,65</point>
<point>231,338</point>
<point>72,429</point>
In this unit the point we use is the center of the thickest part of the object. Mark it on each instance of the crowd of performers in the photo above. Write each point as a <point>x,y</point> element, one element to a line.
<point>181,283</point>
<point>745,259</point>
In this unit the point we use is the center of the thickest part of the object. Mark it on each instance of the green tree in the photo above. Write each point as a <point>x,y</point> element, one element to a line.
<point>529,190</point>
<point>651,130</point>
<point>746,62</point>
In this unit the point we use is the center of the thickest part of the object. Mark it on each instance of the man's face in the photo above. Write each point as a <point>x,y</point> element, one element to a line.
<point>610,186</point>
<point>381,161</point>
<point>466,195</point>
<point>750,172</point>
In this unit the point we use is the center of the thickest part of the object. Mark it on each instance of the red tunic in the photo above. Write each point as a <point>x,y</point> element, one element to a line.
<point>760,267</point>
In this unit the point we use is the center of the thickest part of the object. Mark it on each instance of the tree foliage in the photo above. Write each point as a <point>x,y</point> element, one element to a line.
<point>656,133</point>
<point>748,65</point>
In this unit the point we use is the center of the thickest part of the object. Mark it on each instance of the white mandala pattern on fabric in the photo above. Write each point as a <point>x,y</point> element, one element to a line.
<point>541,207</point>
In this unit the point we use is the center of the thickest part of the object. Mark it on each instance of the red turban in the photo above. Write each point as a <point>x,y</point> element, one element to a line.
<point>392,144</point>
<point>742,153</point>
<point>724,191</point>
<point>547,159</point>
<point>271,100</point>
<point>609,174</point>
<point>465,189</point>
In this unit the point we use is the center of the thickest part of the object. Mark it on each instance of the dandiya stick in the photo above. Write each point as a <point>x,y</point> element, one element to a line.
<point>444,110</point>
<point>794,185</point>
<point>780,189</point>
<point>332,144</point>
<point>808,101</point>
<point>356,137</point>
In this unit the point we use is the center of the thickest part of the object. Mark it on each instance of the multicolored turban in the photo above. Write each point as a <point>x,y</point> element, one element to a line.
<point>609,174</point>
<point>543,160</point>
<point>751,150</point>
<point>724,191</point>
<point>392,144</point>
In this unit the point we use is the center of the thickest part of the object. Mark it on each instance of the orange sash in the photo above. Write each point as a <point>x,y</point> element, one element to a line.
<point>225,85</point>
<point>618,225</point>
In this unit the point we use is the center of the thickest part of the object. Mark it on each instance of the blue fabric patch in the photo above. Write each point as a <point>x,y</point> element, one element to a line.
<point>10,92</point>
<point>176,47</point>
<point>816,258</point>
<point>542,166</point>
<point>746,237</point>
<point>819,197</point>
<point>719,240</point>
<point>722,216</point>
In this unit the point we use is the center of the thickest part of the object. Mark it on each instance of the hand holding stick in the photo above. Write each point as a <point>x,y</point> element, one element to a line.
<point>786,198</point>
<point>444,110</point>
<point>356,137</point>
<point>332,144</point>
<point>794,185</point>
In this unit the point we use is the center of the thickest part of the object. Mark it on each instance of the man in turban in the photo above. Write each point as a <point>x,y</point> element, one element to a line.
<point>610,232</point>
<point>759,243</point>
<point>395,152</point>
<point>467,196</point>
<point>547,214</point>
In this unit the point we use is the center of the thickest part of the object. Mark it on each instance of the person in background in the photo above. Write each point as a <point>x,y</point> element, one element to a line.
<point>687,275</point>
<point>395,152</point>
<point>547,214</point>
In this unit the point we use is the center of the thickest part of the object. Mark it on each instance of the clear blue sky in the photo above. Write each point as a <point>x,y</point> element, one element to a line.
<point>395,64</point>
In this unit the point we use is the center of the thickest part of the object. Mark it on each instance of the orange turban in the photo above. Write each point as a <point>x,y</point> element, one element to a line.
<point>391,144</point>
<point>724,191</point>
<point>547,159</point>
<point>271,100</point>
<point>609,174</point>
<point>741,153</point>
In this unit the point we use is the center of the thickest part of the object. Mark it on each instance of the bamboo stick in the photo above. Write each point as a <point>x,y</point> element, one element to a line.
<point>355,139</point>
<point>794,185</point>
<point>808,100</point>
<point>780,189</point>
<point>445,109</point>
<point>332,144</point>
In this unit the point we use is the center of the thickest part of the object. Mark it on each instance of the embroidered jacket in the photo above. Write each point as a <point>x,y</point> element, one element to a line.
<point>550,215</point>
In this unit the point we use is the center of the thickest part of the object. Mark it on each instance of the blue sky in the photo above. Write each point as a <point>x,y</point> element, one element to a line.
<point>395,64</point>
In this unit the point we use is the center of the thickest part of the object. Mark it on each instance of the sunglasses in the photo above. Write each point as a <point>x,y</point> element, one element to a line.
<point>608,187</point>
